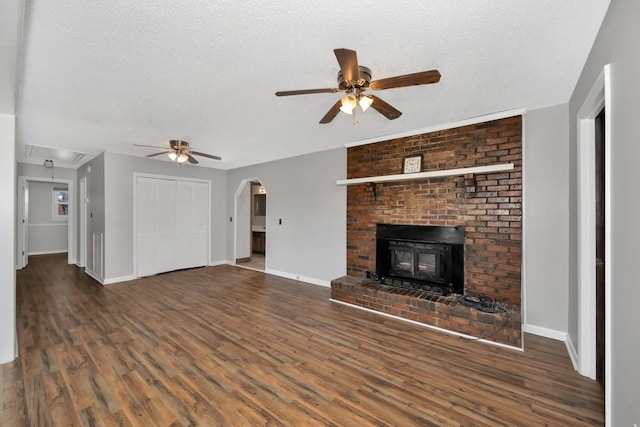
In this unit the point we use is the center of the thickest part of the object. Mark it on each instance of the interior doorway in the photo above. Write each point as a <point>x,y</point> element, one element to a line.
<point>250,230</point>
<point>22,240</point>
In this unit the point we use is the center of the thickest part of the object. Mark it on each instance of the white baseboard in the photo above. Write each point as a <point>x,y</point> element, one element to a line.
<point>573,354</point>
<point>113,280</point>
<point>545,332</point>
<point>94,275</point>
<point>313,281</point>
<point>435,328</point>
<point>61,251</point>
<point>109,281</point>
<point>220,262</point>
<point>555,335</point>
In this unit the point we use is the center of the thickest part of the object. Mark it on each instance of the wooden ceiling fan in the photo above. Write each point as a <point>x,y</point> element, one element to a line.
<point>180,151</point>
<point>354,79</point>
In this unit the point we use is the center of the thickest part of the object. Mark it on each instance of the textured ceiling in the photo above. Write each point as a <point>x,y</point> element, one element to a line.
<point>103,75</point>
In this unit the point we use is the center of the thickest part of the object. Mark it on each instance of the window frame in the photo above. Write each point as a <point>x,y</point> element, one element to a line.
<point>56,204</point>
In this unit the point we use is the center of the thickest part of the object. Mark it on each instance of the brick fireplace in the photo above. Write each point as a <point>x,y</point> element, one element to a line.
<point>487,205</point>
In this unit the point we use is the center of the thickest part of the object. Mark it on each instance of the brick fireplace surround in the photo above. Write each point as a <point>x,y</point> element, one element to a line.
<point>488,206</point>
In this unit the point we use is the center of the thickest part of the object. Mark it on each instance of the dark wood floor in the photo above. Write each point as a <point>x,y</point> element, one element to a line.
<point>230,346</point>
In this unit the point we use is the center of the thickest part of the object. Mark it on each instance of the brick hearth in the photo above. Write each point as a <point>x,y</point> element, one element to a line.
<point>487,205</point>
<point>430,309</point>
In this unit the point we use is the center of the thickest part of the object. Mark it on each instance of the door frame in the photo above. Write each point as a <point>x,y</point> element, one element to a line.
<point>82,220</point>
<point>238,193</point>
<point>598,98</point>
<point>23,181</point>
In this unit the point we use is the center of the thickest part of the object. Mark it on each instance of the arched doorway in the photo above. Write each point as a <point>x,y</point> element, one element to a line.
<point>250,231</point>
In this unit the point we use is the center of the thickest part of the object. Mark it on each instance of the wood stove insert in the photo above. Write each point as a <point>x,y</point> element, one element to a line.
<point>421,257</point>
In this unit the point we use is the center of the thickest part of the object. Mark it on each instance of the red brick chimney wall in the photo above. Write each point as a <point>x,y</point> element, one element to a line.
<point>489,206</point>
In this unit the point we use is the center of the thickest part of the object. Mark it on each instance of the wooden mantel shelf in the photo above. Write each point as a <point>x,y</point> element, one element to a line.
<point>426,175</point>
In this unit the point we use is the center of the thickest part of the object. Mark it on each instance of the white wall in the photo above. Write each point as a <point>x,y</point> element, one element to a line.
<point>46,235</point>
<point>546,222</point>
<point>11,13</point>
<point>7,236</point>
<point>617,44</point>
<point>302,191</point>
<point>118,207</point>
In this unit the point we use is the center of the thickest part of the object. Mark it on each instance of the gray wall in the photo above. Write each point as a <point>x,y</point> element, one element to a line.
<point>119,170</point>
<point>546,222</point>
<point>302,191</point>
<point>617,44</point>
<point>41,202</point>
<point>46,235</point>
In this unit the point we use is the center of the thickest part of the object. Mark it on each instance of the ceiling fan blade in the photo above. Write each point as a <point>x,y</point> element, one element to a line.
<point>348,61</point>
<point>306,91</point>
<point>332,113</point>
<point>421,78</point>
<point>385,108</point>
<point>157,154</point>
<point>191,159</point>
<point>151,146</point>
<point>209,156</point>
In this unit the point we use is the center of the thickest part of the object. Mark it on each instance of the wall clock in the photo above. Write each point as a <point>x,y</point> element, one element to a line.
<point>412,164</point>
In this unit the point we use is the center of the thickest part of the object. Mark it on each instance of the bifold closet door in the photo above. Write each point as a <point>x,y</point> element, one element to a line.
<point>171,225</point>
<point>192,224</point>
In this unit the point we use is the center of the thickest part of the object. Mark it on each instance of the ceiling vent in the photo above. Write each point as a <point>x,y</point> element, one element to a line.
<point>56,154</point>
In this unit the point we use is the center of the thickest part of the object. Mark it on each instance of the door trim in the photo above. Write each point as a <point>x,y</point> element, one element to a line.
<point>82,221</point>
<point>598,98</point>
<point>71,220</point>
<point>239,190</point>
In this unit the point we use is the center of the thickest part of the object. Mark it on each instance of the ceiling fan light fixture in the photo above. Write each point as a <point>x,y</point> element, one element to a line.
<point>348,104</point>
<point>365,102</point>
<point>180,152</point>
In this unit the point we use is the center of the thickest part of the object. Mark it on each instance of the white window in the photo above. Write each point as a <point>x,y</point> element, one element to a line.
<point>60,204</point>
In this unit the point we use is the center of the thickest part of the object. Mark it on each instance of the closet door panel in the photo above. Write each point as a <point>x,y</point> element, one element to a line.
<point>172,225</point>
<point>146,255</point>
<point>200,248</point>
<point>146,191</point>
<point>184,211</point>
<point>200,203</point>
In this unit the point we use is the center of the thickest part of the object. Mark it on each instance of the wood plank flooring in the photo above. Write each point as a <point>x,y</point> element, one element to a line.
<point>225,346</point>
